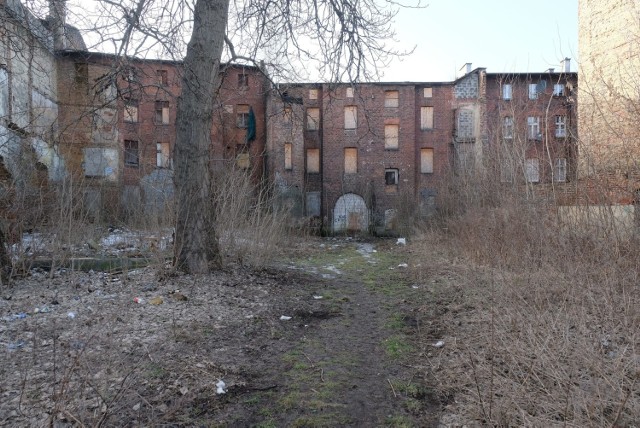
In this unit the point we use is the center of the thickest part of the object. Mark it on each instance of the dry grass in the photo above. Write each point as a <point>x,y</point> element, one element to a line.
<point>541,323</point>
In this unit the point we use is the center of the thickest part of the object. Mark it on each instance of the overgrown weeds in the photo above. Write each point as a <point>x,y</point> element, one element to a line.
<point>541,318</point>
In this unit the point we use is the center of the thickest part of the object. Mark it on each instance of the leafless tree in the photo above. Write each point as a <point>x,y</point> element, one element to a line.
<point>343,40</point>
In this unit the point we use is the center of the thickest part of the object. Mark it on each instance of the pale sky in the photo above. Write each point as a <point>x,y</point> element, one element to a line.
<point>500,35</point>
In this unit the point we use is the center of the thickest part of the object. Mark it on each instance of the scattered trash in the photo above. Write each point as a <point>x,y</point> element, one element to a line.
<point>221,387</point>
<point>71,315</point>
<point>415,287</point>
<point>156,301</point>
<point>138,300</point>
<point>317,297</point>
<point>438,344</point>
<point>284,318</point>
<point>136,407</point>
<point>403,265</point>
<point>14,346</point>
<point>179,297</point>
<point>19,316</point>
<point>401,241</point>
<point>42,310</point>
<point>184,390</point>
<point>149,287</point>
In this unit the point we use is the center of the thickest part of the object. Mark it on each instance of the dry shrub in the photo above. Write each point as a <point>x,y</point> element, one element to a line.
<point>250,226</point>
<point>541,318</point>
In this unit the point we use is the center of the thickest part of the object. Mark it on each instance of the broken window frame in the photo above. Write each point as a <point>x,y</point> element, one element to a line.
<point>130,111</point>
<point>131,153</point>
<point>242,115</point>
<point>391,176</point>
<point>162,77</point>
<point>162,113</point>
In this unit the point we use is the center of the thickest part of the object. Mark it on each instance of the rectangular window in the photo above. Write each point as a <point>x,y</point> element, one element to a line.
<point>533,91</point>
<point>349,93</point>
<point>427,92</point>
<point>533,128</point>
<point>243,80</point>
<point>426,161</point>
<point>131,111</point>
<point>243,160</point>
<point>313,118</point>
<point>81,72</point>
<point>350,160</point>
<point>350,117</point>
<point>242,115</point>
<point>507,91</point>
<point>391,98</point>
<point>507,127</point>
<point>391,176</point>
<point>163,77</point>
<point>391,136</point>
<point>287,115</point>
<point>532,170</point>
<point>561,170</point>
<point>162,112</point>
<point>561,126</point>
<point>131,157</point>
<point>313,94</point>
<point>426,118</point>
<point>313,161</point>
<point>558,90</point>
<point>163,155</point>
<point>288,149</point>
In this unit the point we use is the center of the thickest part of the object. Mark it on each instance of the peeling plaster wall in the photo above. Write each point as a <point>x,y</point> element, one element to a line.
<point>28,92</point>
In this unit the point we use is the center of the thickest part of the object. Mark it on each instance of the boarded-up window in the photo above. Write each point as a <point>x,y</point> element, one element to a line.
<point>162,155</point>
<point>313,204</point>
<point>426,161</point>
<point>287,156</point>
<point>242,115</point>
<point>465,126</point>
<point>350,117</point>
<point>391,98</point>
<point>99,162</point>
<point>532,170</point>
<point>313,118</point>
<point>391,137</point>
<point>349,92</point>
<point>131,155</point>
<point>426,118</point>
<point>287,115</point>
<point>243,160</point>
<point>131,111</point>
<point>428,92</point>
<point>350,160</point>
<point>163,77</point>
<point>313,161</point>
<point>162,112</point>
<point>313,94</point>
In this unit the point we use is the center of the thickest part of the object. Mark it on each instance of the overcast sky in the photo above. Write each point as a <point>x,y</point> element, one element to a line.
<point>501,35</point>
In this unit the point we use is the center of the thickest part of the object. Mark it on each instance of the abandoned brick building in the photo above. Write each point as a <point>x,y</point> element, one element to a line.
<point>356,157</point>
<point>343,157</point>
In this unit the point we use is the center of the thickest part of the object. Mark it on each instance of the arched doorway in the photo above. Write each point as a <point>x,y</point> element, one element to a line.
<point>350,214</point>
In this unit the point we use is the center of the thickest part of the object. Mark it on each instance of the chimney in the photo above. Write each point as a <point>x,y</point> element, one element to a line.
<point>565,65</point>
<point>466,68</point>
<point>57,17</point>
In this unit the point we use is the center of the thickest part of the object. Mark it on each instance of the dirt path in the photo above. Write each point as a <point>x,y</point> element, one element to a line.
<point>349,353</point>
<point>348,356</point>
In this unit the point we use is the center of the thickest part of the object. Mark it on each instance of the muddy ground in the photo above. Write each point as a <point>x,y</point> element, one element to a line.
<point>337,333</point>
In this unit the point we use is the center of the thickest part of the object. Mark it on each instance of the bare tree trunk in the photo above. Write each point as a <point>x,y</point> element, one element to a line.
<point>196,244</point>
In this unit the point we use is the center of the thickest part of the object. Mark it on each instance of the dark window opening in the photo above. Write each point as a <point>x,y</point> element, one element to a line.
<point>131,155</point>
